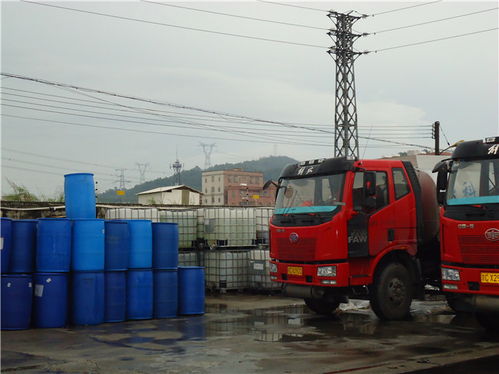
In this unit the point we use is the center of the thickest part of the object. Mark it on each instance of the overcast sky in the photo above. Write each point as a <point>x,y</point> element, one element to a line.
<point>454,81</point>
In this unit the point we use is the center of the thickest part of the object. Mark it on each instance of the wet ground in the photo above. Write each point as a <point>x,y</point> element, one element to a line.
<point>262,334</point>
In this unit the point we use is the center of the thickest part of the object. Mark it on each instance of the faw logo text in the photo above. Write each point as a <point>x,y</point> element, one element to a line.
<point>358,236</point>
<point>492,234</point>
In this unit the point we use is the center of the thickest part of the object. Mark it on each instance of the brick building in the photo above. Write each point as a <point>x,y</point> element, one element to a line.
<point>236,188</point>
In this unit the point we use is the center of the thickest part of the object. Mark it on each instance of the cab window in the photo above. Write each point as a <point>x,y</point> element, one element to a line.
<point>400,183</point>
<point>381,190</point>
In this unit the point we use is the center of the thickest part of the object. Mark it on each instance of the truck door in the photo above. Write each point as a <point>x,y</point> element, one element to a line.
<point>368,228</point>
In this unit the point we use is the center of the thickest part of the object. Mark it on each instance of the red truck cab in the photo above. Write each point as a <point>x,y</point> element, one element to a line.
<point>363,228</point>
<point>468,185</point>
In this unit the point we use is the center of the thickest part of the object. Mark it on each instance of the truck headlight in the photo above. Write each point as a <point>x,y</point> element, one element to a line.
<point>326,271</point>
<point>450,274</point>
<point>272,267</point>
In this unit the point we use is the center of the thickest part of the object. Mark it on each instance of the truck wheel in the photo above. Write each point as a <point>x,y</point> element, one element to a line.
<point>488,321</point>
<point>453,303</point>
<point>391,293</point>
<point>324,307</point>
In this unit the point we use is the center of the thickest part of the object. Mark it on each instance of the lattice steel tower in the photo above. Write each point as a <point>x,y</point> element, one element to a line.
<point>177,169</point>
<point>346,140</point>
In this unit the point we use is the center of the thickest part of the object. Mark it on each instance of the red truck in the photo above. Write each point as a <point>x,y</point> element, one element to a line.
<point>468,186</point>
<point>363,228</point>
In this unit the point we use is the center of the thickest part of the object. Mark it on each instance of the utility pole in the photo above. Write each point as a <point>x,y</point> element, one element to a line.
<point>177,168</point>
<point>142,171</point>
<point>435,134</point>
<point>346,139</point>
<point>207,149</point>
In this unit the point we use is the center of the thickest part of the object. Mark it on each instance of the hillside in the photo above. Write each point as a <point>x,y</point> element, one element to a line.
<point>269,166</point>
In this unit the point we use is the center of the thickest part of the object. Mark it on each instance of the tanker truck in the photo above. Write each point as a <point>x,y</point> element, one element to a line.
<point>355,228</point>
<point>468,190</point>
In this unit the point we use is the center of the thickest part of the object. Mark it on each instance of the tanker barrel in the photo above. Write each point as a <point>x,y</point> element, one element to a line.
<point>430,208</point>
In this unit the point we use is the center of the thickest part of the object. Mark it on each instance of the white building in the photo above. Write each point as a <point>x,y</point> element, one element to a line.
<point>172,195</point>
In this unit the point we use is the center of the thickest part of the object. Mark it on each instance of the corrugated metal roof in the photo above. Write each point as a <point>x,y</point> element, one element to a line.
<point>168,189</point>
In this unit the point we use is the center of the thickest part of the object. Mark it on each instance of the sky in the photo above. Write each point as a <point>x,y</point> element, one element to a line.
<point>48,131</point>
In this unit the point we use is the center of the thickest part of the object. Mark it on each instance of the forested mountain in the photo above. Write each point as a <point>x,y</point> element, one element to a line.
<point>270,167</point>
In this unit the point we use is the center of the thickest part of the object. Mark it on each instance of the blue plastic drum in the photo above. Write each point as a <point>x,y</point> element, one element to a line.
<point>117,245</point>
<point>115,296</point>
<point>22,255</point>
<point>50,301</point>
<point>5,242</point>
<point>140,244</point>
<point>79,195</point>
<point>165,293</point>
<point>87,305</point>
<point>140,294</point>
<point>191,293</point>
<point>17,296</point>
<point>88,245</point>
<point>53,245</point>
<point>164,245</point>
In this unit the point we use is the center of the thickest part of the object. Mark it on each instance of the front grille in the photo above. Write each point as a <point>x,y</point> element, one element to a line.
<point>303,250</point>
<point>475,249</point>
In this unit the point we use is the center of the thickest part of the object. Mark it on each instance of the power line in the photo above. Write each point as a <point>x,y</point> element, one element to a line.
<point>193,125</point>
<point>433,21</point>
<point>262,134</point>
<point>184,107</point>
<point>200,136</point>
<point>235,15</point>
<point>398,127</point>
<point>404,8</point>
<point>158,132</point>
<point>64,170</point>
<point>294,6</point>
<point>176,26</point>
<point>432,40</point>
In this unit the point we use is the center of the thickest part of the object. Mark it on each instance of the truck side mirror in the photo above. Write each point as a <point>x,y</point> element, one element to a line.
<point>268,183</point>
<point>369,183</point>
<point>442,180</point>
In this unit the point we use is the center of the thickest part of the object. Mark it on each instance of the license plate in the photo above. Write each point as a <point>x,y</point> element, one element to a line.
<point>295,270</point>
<point>489,278</point>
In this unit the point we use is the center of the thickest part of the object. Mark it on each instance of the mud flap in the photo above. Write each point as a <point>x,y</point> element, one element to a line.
<point>358,235</point>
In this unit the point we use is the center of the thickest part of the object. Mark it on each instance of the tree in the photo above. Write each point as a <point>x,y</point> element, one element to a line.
<point>20,193</point>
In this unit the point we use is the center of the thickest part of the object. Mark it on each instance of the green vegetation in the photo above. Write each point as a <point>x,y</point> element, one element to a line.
<point>21,193</point>
<point>270,167</point>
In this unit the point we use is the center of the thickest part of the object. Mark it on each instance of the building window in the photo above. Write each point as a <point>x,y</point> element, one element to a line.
<point>205,180</point>
<point>213,199</point>
<point>212,189</point>
<point>218,189</point>
<point>212,178</point>
<point>218,200</point>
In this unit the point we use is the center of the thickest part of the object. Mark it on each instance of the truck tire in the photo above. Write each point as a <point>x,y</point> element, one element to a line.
<point>489,321</point>
<point>391,292</point>
<point>323,307</point>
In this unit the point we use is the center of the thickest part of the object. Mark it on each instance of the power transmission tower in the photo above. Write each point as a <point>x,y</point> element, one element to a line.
<point>346,139</point>
<point>177,168</point>
<point>142,171</point>
<point>207,149</point>
<point>121,179</point>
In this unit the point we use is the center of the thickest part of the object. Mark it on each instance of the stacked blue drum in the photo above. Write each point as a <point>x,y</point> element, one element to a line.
<point>140,280</point>
<point>117,248</point>
<point>85,271</point>
<point>52,264</point>
<point>165,263</point>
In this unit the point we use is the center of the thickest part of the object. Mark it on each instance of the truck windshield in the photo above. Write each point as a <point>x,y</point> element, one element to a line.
<point>474,182</point>
<point>310,195</point>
